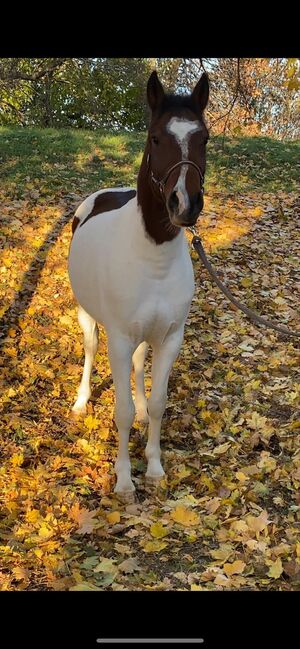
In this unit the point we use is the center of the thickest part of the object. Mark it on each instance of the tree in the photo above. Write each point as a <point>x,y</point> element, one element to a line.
<point>248,96</point>
<point>74,92</point>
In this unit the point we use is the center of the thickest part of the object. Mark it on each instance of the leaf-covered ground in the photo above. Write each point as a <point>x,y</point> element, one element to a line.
<point>227,516</point>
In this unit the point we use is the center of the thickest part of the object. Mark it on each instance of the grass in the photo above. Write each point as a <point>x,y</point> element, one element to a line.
<point>48,157</point>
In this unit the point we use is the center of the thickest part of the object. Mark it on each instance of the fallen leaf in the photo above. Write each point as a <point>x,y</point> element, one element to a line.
<point>84,518</point>
<point>154,546</point>
<point>235,568</point>
<point>276,569</point>
<point>258,523</point>
<point>20,573</point>
<point>113,517</point>
<point>158,530</point>
<point>185,517</point>
<point>221,580</point>
<point>129,566</point>
<point>84,585</point>
<point>91,422</point>
<point>222,448</point>
<point>223,552</point>
<point>107,565</point>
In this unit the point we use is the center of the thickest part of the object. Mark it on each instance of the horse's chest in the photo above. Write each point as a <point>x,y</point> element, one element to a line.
<point>150,303</point>
<point>142,291</point>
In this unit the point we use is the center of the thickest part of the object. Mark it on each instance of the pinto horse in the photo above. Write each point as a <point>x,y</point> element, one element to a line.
<point>130,268</point>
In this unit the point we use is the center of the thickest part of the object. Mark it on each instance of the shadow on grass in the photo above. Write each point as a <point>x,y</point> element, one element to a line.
<point>31,277</point>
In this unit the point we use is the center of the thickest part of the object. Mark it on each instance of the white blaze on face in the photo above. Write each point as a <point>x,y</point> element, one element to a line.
<point>182,130</point>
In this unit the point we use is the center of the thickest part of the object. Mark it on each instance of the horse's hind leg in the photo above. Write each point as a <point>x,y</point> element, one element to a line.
<point>140,403</point>
<point>90,341</point>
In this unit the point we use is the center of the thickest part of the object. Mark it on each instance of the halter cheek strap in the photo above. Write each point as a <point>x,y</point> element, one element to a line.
<point>161,183</point>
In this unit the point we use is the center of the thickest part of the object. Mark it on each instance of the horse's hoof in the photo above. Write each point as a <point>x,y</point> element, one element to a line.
<point>153,480</point>
<point>126,497</point>
<point>78,411</point>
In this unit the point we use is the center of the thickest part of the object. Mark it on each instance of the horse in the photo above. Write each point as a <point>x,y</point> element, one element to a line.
<point>130,269</point>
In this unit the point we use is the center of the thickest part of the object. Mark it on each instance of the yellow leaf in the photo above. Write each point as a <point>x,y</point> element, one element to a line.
<point>230,375</point>
<point>298,549</point>
<point>113,517</point>
<point>104,433</point>
<point>235,568</point>
<point>154,546</point>
<point>276,569</point>
<point>185,517</point>
<point>91,422</point>
<point>17,459</point>
<point>12,333</point>
<point>206,414</point>
<point>241,476</point>
<point>295,425</point>
<point>239,526</point>
<point>158,530</point>
<point>257,211</point>
<point>246,282</point>
<point>44,532</point>
<point>223,552</point>
<point>267,463</point>
<point>196,587</point>
<point>66,320</point>
<point>32,516</point>
<point>257,422</point>
<point>183,473</point>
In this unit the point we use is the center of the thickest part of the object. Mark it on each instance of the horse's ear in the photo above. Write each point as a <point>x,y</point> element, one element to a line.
<point>200,93</point>
<point>155,91</point>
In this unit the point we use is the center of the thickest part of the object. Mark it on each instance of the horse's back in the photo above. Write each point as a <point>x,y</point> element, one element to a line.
<point>100,229</point>
<point>100,202</point>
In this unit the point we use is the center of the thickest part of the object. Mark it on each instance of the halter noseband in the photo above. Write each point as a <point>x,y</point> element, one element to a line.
<point>161,183</point>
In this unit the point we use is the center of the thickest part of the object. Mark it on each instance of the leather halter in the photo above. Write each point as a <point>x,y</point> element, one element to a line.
<point>161,183</point>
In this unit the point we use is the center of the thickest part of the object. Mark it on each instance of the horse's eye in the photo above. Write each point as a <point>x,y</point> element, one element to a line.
<point>154,139</point>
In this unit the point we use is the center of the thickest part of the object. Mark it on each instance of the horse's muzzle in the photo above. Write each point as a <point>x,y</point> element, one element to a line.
<point>187,217</point>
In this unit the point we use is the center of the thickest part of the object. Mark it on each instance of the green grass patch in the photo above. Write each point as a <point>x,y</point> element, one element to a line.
<point>82,161</point>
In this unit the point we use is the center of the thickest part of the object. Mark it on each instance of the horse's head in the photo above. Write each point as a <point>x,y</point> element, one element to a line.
<point>176,149</point>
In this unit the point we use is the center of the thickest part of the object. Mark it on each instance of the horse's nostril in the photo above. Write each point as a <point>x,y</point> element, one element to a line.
<point>173,201</point>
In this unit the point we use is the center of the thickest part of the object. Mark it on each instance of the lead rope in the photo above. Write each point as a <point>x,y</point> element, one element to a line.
<point>196,242</point>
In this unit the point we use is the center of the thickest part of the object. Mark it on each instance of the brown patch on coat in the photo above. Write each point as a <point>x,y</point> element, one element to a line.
<point>105,203</point>
<point>75,222</point>
<point>109,201</point>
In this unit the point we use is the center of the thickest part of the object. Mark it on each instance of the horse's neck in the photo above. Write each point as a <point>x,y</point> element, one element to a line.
<point>154,212</point>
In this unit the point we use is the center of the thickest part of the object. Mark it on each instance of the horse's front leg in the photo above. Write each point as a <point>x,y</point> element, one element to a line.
<point>163,358</point>
<point>120,351</point>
